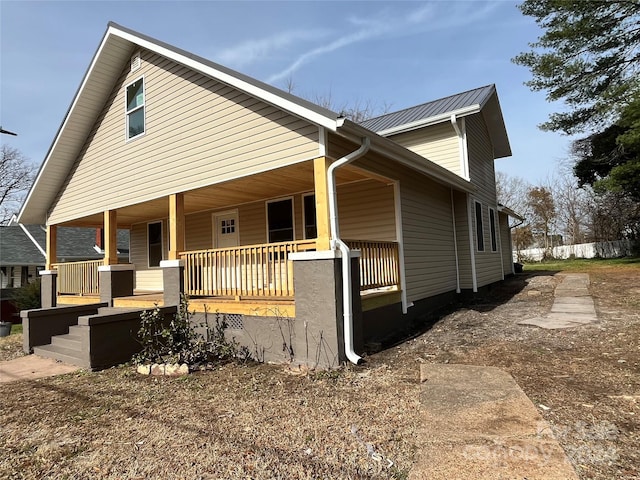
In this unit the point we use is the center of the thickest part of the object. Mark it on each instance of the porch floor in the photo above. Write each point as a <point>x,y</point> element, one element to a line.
<point>258,306</point>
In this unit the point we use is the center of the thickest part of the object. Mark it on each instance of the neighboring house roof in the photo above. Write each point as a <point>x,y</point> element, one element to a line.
<point>116,49</point>
<point>16,248</point>
<point>479,100</point>
<point>26,244</point>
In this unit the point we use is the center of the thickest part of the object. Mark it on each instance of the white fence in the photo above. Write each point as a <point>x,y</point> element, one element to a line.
<point>618,248</point>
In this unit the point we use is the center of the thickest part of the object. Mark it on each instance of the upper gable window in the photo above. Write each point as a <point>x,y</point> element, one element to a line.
<point>135,109</point>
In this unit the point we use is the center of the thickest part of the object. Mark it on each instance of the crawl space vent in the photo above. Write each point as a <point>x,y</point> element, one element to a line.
<point>235,321</point>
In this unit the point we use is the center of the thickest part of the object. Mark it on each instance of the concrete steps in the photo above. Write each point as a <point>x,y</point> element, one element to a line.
<point>72,342</point>
<point>63,354</point>
<point>66,348</point>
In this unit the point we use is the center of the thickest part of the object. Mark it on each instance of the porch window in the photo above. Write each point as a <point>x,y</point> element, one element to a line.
<point>280,220</point>
<point>309,203</point>
<point>154,243</point>
<point>492,225</point>
<point>135,109</point>
<point>479,228</point>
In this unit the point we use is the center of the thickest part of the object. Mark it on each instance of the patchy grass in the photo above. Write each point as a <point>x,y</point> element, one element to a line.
<point>255,421</point>
<point>265,421</point>
<point>11,346</point>
<point>582,264</point>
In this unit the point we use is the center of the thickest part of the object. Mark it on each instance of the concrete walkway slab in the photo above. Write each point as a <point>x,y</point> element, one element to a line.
<point>479,424</point>
<point>572,305</point>
<point>584,300</point>
<point>573,308</point>
<point>31,367</point>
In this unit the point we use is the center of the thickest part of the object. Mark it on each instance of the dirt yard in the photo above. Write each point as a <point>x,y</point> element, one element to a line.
<point>262,421</point>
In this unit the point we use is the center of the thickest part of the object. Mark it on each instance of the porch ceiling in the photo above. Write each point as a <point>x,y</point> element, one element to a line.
<point>284,181</point>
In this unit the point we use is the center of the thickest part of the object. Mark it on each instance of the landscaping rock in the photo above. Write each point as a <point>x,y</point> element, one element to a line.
<point>168,369</point>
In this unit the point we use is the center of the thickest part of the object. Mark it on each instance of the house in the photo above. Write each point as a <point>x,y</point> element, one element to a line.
<point>22,254</point>
<point>309,233</point>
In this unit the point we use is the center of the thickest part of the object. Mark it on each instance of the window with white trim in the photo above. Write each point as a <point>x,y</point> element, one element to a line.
<point>135,109</point>
<point>479,228</point>
<point>280,220</point>
<point>492,226</point>
<point>154,243</point>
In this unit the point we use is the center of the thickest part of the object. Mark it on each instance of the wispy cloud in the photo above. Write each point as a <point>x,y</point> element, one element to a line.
<point>427,17</point>
<point>337,44</point>
<point>252,50</point>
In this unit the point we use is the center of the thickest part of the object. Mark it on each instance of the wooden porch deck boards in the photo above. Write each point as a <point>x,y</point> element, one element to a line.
<point>257,306</point>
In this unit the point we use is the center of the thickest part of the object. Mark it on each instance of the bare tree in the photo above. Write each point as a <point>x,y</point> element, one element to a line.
<point>357,110</point>
<point>16,176</point>
<point>572,206</point>
<point>543,215</point>
<point>513,192</point>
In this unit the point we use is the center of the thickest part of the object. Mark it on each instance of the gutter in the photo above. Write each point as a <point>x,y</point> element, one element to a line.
<point>345,252</point>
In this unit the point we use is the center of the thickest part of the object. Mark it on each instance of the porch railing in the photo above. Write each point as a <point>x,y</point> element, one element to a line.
<point>253,270</point>
<point>78,278</point>
<point>379,263</point>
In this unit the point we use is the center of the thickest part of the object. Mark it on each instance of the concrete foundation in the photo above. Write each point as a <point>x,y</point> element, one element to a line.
<point>313,338</point>
<point>173,281</point>
<point>387,325</point>
<point>48,288</point>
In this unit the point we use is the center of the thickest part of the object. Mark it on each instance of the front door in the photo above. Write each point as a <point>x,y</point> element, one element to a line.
<point>225,229</point>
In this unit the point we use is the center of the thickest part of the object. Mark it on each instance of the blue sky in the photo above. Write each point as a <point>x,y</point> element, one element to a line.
<point>397,54</point>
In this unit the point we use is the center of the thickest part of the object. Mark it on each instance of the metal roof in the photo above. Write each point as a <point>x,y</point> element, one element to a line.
<point>115,50</point>
<point>482,100</point>
<point>435,108</point>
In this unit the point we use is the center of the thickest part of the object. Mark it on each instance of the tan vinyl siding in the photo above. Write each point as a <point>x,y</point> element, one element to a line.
<point>505,243</point>
<point>252,218</point>
<point>482,175</point>
<point>366,211</point>
<point>146,278</point>
<point>198,132</point>
<point>462,236</point>
<point>198,230</point>
<point>427,227</point>
<point>439,143</point>
<point>252,224</point>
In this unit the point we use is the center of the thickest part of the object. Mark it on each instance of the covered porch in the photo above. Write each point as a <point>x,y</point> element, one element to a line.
<point>208,236</point>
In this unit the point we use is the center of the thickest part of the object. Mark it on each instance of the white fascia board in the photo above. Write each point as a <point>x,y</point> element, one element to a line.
<point>425,122</point>
<point>47,159</point>
<point>224,77</point>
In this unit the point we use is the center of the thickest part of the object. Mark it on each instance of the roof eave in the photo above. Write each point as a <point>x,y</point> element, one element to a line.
<point>35,208</point>
<point>425,122</point>
<point>511,213</point>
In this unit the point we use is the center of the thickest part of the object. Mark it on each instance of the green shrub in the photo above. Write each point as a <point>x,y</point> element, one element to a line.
<point>179,342</point>
<point>27,297</point>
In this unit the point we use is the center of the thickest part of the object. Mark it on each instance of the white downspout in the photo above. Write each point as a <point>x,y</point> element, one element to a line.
<point>338,244</point>
<point>462,145</point>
